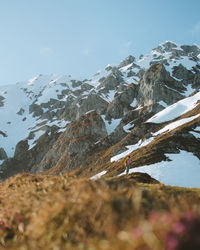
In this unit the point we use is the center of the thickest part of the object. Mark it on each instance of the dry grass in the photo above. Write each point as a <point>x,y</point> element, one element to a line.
<point>128,212</point>
<point>49,212</point>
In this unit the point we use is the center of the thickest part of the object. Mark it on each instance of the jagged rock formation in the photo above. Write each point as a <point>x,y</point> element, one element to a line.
<point>72,147</point>
<point>64,124</point>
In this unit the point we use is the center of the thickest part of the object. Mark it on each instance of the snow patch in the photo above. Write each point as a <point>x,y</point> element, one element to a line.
<point>175,110</point>
<point>176,124</point>
<point>109,97</point>
<point>197,135</point>
<point>134,103</point>
<point>189,90</point>
<point>32,142</point>
<point>196,132</point>
<point>182,170</point>
<point>97,176</point>
<point>111,125</point>
<point>131,148</point>
<point>127,127</point>
<point>90,111</point>
<point>125,68</point>
<point>164,104</point>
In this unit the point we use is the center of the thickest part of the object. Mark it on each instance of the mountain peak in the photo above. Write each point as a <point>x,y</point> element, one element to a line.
<point>36,113</point>
<point>128,60</point>
<point>168,45</point>
<point>181,50</point>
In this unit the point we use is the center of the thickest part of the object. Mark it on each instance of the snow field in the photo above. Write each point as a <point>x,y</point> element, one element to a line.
<point>177,109</point>
<point>182,170</point>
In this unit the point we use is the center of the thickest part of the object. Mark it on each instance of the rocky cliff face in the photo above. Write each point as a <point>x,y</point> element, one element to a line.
<point>157,85</point>
<point>75,144</point>
<point>58,124</point>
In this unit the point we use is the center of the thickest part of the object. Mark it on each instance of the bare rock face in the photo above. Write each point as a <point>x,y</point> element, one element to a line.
<point>90,124</point>
<point>25,159</point>
<point>1,101</point>
<point>157,85</point>
<point>92,102</point>
<point>192,50</point>
<point>127,61</point>
<point>182,73</point>
<point>187,76</point>
<point>35,109</point>
<point>71,148</point>
<point>121,103</point>
<point>113,80</point>
<point>21,150</point>
<point>3,154</point>
<point>21,111</point>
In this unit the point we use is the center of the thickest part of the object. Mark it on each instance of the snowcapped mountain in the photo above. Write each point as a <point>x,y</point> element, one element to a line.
<point>56,124</point>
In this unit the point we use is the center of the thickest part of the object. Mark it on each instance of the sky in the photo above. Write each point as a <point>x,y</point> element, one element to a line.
<point>80,37</point>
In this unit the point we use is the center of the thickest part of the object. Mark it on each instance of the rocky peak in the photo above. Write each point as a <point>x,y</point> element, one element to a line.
<point>168,46</point>
<point>114,79</point>
<point>177,51</point>
<point>130,59</point>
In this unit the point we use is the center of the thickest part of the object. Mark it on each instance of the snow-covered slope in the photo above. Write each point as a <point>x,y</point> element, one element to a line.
<point>177,109</point>
<point>17,121</point>
<point>182,170</point>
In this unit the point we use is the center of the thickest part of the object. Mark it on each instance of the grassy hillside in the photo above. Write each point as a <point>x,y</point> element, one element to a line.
<point>127,212</point>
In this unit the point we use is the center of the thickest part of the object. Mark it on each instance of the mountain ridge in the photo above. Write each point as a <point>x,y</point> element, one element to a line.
<point>123,96</point>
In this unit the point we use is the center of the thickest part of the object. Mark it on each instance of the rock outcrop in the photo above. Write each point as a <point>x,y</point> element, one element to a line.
<point>157,85</point>
<point>72,147</point>
<point>3,155</point>
<point>1,101</point>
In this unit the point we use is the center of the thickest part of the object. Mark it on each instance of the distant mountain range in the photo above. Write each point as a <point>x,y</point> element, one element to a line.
<point>148,108</point>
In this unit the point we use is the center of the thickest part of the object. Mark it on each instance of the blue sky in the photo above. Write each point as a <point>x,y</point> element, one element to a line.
<point>79,37</point>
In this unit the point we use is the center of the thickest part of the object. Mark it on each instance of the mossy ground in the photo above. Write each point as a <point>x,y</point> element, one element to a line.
<point>65,212</point>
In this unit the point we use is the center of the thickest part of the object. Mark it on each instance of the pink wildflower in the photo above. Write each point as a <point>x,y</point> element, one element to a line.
<point>179,228</point>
